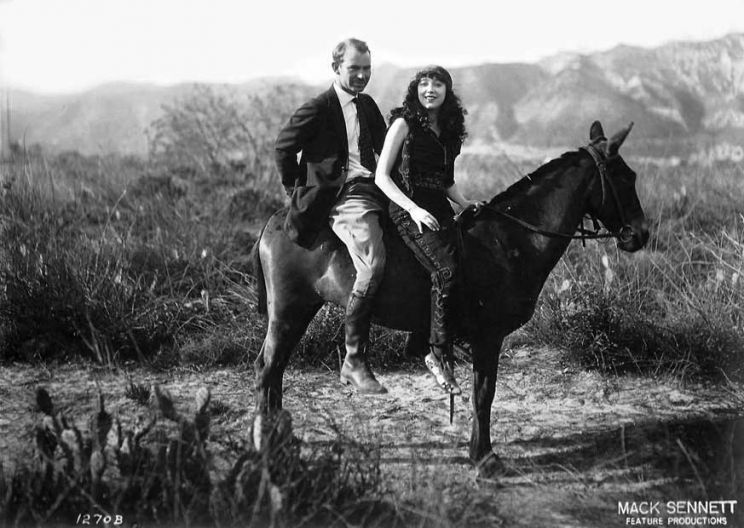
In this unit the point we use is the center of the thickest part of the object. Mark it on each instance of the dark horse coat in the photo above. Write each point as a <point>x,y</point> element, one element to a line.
<point>317,129</point>
<point>505,264</point>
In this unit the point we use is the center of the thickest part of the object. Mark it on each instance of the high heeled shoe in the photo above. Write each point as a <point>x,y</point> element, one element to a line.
<point>443,372</point>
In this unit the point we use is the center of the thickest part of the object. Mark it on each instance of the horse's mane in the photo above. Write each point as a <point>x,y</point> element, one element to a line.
<point>520,186</point>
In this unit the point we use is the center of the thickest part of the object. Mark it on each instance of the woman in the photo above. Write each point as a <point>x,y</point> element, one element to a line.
<point>416,171</point>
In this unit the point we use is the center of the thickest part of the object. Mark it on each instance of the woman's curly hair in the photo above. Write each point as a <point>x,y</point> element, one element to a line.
<point>451,114</point>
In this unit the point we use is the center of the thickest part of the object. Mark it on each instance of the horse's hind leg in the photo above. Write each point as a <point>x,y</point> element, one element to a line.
<point>285,329</point>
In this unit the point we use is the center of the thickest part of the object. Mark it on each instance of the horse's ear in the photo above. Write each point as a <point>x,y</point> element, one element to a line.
<point>596,134</point>
<point>615,141</point>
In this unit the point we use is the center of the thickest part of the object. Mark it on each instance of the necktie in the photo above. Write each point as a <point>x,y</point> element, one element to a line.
<point>366,152</point>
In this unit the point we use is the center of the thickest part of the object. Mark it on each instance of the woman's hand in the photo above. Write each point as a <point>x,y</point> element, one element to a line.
<point>422,217</point>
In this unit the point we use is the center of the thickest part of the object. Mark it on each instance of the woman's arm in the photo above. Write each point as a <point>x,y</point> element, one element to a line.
<point>390,150</point>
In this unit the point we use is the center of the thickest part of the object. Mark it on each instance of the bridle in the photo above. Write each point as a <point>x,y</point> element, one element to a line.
<point>600,160</point>
<point>625,233</point>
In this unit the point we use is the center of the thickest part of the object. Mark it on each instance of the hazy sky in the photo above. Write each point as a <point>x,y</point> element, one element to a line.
<point>66,45</point>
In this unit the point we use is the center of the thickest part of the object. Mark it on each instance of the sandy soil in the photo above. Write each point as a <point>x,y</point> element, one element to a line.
<point>571,437</point>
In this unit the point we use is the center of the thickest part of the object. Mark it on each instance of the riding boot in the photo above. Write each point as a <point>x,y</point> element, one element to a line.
<point>440,362</point>
<point>355,370</point>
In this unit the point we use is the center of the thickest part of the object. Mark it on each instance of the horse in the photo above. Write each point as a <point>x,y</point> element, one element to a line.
<point>509,247</point>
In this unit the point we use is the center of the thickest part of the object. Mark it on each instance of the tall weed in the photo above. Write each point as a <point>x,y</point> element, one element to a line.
<point>171,469</point>
<point>676,306</point>
<point>127,270</point>
<point>115,259</point>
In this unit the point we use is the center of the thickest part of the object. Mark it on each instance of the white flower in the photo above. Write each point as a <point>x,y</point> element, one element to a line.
<point>608,276</point>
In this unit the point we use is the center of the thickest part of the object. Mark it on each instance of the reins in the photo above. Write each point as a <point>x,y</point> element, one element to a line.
<point>584,234</point>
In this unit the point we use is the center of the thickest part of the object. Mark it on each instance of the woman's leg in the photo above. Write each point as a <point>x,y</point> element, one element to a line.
<point>440,361</point>
<point>436,251</point>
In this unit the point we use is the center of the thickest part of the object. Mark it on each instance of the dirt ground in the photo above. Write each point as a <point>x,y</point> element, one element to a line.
<point>576,442</point>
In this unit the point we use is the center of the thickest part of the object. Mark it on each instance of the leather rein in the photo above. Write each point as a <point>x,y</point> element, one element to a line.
<point>600,161</point>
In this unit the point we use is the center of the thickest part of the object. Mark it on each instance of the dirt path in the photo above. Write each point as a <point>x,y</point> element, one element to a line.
<point>576,442</point>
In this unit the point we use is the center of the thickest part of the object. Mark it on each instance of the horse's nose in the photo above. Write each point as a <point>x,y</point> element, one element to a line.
<point>633,237</point>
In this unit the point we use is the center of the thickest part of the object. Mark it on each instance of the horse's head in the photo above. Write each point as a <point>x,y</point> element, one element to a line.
<point>613,199</point>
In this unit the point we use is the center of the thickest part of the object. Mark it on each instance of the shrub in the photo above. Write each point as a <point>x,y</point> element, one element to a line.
<point>650,313</point>
<point>675,307</point>
<point>164,471</point>
<point>132,284</point>
<point>223,132</point>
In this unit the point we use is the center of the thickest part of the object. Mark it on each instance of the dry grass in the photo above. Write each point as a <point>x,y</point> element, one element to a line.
<point>168,470</point>
<point>675,308</point>
<point>143,276</point>
<point>113,262</point>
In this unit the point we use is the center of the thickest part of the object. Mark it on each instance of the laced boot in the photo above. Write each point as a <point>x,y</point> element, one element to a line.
<point>355,370</point>
<point>440,363</point>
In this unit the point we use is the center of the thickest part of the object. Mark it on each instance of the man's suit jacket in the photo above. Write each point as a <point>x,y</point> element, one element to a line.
<point>317,129</point>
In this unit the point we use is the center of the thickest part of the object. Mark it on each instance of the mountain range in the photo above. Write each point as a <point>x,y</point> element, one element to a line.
<point>680,95</point>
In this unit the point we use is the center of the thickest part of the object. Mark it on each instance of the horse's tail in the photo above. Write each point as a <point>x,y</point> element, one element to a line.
<point>259,274</point>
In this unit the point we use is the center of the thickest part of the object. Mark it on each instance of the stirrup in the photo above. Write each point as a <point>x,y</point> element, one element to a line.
<point>443,374</point>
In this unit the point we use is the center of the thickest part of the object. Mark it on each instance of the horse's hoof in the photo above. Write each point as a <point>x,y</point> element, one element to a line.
<point>257,433</point>
<point>271,430</point>
<point>490,468</point>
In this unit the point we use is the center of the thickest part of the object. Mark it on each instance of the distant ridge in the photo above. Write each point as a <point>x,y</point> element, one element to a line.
<point>678,94</point>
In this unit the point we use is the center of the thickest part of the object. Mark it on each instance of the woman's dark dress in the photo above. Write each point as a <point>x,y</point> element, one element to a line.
<point>424,170</point>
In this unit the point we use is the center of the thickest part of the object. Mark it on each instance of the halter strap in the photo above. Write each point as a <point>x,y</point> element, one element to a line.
<point>600,160</point>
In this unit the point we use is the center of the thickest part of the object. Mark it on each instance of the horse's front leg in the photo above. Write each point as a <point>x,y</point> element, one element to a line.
<point>486,350</point>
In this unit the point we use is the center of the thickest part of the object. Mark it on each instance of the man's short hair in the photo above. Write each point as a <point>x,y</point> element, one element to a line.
<point>340,50</point>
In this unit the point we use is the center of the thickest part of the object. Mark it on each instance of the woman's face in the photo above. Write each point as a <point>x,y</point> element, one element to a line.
<point>431,93</point>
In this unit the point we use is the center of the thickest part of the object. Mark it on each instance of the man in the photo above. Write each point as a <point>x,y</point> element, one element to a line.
<point>339,132</point>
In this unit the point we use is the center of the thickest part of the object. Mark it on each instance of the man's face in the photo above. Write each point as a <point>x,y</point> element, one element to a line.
<point>354,71</point>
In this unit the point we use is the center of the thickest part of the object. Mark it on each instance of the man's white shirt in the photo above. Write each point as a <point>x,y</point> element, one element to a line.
<point>354,166</point>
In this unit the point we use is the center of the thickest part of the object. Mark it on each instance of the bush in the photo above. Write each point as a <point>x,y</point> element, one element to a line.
<point>609,334</point>
<point>225,133</point>
<point>152,263</point>
<point>649,313</point>
<point>677,306</point>
<point>133,281</point>
<point>164,471</point>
